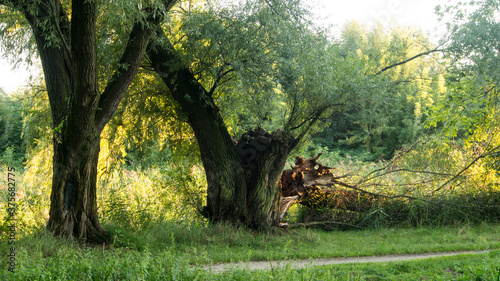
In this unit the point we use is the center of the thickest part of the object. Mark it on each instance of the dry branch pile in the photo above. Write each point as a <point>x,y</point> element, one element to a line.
<point>314,185</point>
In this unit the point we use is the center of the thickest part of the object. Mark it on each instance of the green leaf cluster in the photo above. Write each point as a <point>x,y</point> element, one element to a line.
<point>469,112</point>
<point>12,147</point>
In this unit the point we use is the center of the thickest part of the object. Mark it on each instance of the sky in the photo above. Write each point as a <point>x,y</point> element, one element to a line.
<point>409,12</point>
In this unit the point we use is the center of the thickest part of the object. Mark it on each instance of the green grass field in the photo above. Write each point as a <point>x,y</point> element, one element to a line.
<point>178,252</point>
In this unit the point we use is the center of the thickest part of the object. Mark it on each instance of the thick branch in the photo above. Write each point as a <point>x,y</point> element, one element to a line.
<point>56,60</point>
<point>408,60</point>
<point>203,114</point>
<point>127,69</point>
<point>169,4</point>
<point>84,51</point>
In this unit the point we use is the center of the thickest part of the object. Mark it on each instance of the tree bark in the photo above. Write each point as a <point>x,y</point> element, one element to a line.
<point>263,157</point>
<point>73,206</point>
<point>242,178</point>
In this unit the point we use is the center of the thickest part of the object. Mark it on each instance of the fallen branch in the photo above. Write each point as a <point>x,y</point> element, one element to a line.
<point>314,185</point>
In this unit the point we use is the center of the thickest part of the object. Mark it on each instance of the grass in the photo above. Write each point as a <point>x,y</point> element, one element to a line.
<point>227,244</point>
<point>175,252</point>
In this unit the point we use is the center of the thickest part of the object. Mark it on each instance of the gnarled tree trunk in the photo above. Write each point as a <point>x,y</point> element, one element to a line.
<point>262,157</point>
<point>73,211</point>
<point>242,177</point>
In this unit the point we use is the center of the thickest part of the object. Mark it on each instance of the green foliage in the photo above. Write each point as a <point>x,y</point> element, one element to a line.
<point>12,147</point>
<point>147,130</point>
<point>389,112</point>
<point>267,66</point>
<point>149,164</point>
<point>430,183</point>
<point>470,110</point>
<point>134,199</point>
<point>138,199</point>
<point>18,44</point>
<point>256,59</point>
<point>115,22</point>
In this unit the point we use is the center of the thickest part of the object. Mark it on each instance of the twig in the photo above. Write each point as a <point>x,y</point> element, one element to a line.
<point>404,170</point>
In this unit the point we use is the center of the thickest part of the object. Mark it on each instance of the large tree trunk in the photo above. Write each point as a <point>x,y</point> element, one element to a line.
<point>263,157</point>
<point>79,110</point>
<point>242,177</point>
<point>73,209</point>
<point>226,189</point>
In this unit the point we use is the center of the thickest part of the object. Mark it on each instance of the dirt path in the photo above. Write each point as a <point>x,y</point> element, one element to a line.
<point>298,264</point>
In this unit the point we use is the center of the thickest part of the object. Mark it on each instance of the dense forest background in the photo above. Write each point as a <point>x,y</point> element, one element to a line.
<point>408,122</point>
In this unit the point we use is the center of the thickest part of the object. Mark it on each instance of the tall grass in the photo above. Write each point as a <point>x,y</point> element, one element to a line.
<point>136,198</point>
<point>158,235</point>
<point>127,197</point>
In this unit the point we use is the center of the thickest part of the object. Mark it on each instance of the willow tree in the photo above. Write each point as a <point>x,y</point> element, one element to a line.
<point>259,66</point>
<point>70,39</point>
